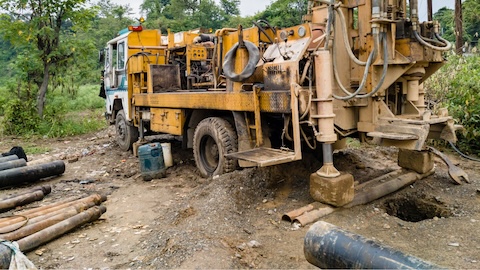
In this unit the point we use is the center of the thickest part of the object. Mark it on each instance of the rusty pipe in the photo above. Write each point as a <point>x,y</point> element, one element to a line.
<point>41,237</point>
<point>16,163</point>
<point>370,194</point>
<point>32,228</point>
<point>28,221</point>
<point>45,189</point>
<point>31,173</point>
<point>328,246</point>
<point>84,203</point>
<point>94,198</point>
<point>8,158</point>
<point>21,200</point>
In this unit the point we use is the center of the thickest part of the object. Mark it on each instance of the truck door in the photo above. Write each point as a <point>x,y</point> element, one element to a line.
<point>115,58</point>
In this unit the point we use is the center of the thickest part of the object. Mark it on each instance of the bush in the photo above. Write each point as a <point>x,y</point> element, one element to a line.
<point>456,86</point>
<point>20,117</point>
<point>65,114</point>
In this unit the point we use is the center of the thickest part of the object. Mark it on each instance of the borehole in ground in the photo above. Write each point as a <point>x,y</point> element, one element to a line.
<point>415,209</point>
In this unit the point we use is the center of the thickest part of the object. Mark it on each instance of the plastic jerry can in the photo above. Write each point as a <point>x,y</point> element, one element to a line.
<point>152,165</point>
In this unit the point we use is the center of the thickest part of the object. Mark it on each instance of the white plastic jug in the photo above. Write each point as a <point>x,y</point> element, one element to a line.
<point>167,154</point>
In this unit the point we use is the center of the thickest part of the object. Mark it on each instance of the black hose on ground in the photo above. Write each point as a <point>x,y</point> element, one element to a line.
<point>462,154</point>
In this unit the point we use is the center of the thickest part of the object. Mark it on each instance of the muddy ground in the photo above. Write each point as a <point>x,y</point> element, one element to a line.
<point>234,221</point>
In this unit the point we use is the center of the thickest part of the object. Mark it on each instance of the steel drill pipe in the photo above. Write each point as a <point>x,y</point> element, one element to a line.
<point>94,198</point>
<point>39,238</point>
<point>14,176</point>
<point>328,246</point>
<point>23,199</point>
<point>8,158</point>
<point>45,189</point>
<point>28,221</point>
<point>82,204</point>
<point>40,225</point>
<point>16,163</point>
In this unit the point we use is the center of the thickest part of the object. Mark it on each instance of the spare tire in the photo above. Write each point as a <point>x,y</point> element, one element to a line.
<point>229,63</point>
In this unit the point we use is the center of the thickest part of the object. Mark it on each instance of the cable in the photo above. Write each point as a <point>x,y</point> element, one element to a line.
<point>462,154</point>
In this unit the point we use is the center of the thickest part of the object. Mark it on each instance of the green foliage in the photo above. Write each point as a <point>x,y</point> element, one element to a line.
<point>445,17</point>
<point>66,114</point>
<point>456,87</point>
<point>20,117</point>
<point>181,15</point>
<point>284,13</point>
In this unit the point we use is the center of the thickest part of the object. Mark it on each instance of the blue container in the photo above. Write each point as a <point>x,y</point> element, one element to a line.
<point>152,165</point>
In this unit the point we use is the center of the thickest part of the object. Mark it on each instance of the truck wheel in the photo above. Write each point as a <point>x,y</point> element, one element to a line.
<point>126,134</point>
<point>214,137</point>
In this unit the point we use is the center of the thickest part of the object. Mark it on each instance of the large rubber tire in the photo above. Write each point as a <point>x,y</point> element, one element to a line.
<point>214,137</point>
<point>125,134</point>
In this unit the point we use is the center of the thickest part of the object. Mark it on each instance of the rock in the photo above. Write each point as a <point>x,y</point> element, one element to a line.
<point>242,247</point>
<point>454,244</point>
<point>254,244</point>
<point>386,226</point>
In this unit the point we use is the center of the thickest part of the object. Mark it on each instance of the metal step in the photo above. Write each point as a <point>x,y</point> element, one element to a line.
<point>264,156</point>
<point>393,136</point>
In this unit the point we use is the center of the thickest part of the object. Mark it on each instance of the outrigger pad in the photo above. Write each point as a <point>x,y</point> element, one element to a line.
<point>336,191</point>
<point>419,161</point>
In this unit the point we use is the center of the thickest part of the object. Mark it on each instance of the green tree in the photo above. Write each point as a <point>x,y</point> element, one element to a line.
<point>471,20</point>
<point>284,13</point>
<point>37,26</point>
<point>445,17</point>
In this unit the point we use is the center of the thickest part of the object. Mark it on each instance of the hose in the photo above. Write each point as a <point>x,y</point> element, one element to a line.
<point>229,63</point>
<point>462,154</point>
<point>263,31</point>
<point>364,78</point>
<point>420,39</point>
<point>345,40</point>
<point>331,15</point>
<point>360,88</point>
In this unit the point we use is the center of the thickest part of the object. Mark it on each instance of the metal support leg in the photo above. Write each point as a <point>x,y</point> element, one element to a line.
<point>328,170</point>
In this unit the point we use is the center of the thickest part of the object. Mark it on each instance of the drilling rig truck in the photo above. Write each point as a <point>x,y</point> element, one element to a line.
<point>257,96</point>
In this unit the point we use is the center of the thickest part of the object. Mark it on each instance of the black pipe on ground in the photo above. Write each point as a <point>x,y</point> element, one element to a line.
<point>8,158</point>
<point>12,164</point>
<point>328,246</point>
<point>33,173</point>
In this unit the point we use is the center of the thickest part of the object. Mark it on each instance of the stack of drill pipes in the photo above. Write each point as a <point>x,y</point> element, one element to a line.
<point>16,163</point>
<point>24,198</point>
<point>8,158</point>
<point>41,237</point>
<point>14,176</point>
<point>37,226</point>
<point>80,204</point>
<point>381,187</point>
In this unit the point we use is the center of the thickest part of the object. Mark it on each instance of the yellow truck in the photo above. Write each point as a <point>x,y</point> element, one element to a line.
<point>260,96</point>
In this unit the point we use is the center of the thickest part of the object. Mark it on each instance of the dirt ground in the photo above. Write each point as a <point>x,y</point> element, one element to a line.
<point>234,221</point>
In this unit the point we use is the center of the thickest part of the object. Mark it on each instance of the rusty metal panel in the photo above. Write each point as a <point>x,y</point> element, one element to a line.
<point>167,120</point>
<point>164,78</point>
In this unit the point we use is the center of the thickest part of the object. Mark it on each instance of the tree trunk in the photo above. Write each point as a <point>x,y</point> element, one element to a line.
<point>42,91</point>
<point>458,27</point>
